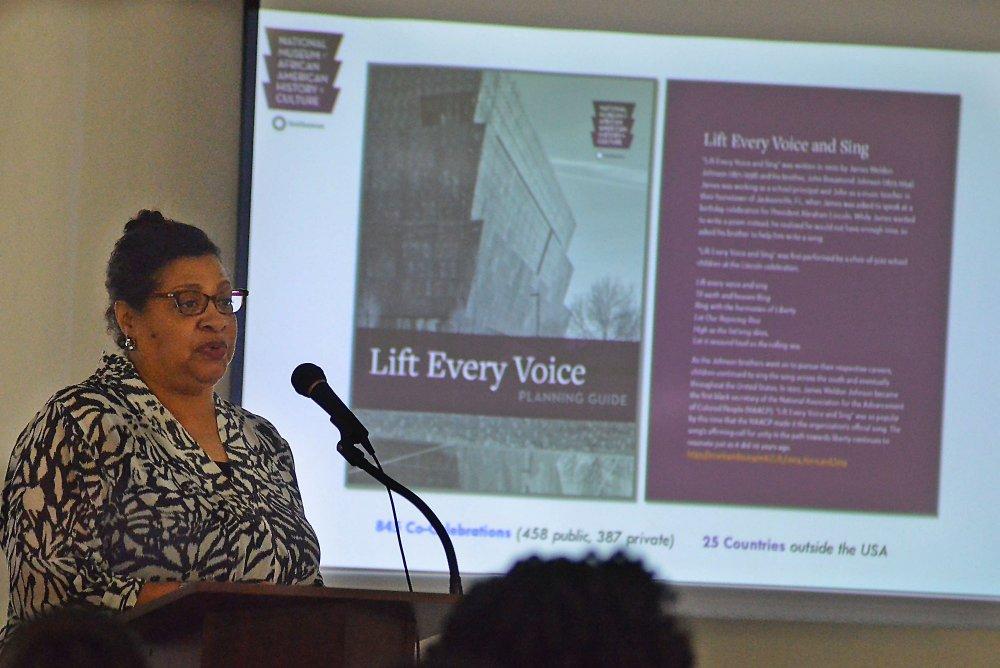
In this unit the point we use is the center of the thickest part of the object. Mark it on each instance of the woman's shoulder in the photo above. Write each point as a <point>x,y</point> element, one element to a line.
<point>78,407</point>
<point>92,397</point>
<point>64,425</point>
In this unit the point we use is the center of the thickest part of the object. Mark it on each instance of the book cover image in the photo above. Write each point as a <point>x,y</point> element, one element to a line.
<point>498,307</point>
<point>802,297</point>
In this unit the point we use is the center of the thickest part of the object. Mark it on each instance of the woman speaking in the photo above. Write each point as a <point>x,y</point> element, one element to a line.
<point>141,477</point>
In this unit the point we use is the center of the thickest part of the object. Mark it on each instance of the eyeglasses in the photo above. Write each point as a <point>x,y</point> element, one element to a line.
<point>194,302</point>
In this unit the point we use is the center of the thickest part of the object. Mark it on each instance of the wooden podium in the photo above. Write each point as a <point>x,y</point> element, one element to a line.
<point>229,624</point>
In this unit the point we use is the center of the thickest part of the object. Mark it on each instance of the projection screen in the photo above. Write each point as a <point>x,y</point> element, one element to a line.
<point>724,304</point>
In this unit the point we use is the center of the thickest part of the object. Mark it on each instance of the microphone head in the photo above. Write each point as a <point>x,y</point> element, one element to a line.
<point>306,376</point>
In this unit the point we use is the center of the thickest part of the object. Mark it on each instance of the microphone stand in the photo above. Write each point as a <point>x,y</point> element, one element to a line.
<point>356,458</point>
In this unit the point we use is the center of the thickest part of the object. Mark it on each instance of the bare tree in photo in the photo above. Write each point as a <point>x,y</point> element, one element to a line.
<point>608,311</point>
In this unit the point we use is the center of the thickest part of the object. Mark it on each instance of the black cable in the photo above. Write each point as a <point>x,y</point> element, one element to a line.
<point>399,537</point>
<point>395,521</point>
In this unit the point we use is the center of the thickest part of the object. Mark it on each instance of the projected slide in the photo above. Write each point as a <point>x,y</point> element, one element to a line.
<point>497,334</point>
<point>724,304</point>
<point>805,250</point>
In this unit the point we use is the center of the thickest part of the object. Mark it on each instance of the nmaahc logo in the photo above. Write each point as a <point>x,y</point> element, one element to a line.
<point>302,69</point>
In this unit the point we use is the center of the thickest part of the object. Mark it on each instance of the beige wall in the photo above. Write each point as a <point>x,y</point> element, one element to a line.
<point>105,108</point>
<point>108,107</point>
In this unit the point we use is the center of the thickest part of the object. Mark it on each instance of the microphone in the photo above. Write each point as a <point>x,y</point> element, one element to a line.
<point>310,381</point>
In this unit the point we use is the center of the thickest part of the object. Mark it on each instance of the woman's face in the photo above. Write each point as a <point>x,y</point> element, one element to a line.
<point>184,354</point>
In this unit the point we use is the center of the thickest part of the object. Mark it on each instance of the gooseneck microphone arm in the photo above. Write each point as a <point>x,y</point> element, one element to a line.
<point>356,458</point>
<point>310,381</point>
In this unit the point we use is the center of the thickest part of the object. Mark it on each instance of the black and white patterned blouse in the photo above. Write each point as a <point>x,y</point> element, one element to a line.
<point>106,490</point>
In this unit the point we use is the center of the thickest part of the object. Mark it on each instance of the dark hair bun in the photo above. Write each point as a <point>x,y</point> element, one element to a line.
<point>144,218</point>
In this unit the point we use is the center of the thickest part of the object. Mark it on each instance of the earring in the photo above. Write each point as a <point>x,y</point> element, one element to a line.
<point>129,343</point>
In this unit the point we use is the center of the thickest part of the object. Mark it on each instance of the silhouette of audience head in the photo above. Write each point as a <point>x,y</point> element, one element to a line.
<point>562,612</point>
<point>72,636</point>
